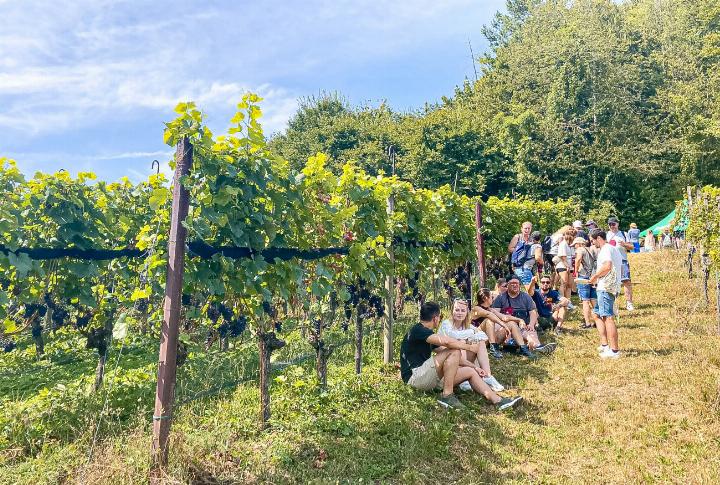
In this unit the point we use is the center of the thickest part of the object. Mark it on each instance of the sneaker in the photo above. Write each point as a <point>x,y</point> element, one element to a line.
<point>571,307</point>
<point>602,348</point>
<point>609,354</point>
<point>494,384</point>
<point>508,402</point>
<point>450,401</point>
<point>629,306</point>
<point>524,350</point>
<point>546,349</point>
<point>495,351</point>
<point>465,386</point>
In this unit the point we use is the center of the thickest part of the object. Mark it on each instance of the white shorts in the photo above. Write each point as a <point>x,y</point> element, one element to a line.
<point>425,377</point>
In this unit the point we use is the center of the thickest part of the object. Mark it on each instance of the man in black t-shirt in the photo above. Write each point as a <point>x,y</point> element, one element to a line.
<point>447,368</point>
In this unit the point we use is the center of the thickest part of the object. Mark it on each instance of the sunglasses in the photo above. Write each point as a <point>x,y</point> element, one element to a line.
<point>545,282</point>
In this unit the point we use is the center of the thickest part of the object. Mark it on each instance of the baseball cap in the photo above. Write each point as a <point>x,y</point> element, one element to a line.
<point>613,220</point>
<point>578,224</point>
<point>591,223</point>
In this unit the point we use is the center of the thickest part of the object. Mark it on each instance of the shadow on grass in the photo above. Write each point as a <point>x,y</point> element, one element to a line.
<point>635,352</point>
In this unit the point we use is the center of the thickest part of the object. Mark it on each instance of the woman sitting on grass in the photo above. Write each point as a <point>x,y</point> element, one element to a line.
<point>459,327</point>
<point>497,325</point>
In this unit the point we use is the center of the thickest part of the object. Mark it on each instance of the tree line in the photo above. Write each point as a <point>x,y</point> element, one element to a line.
<point>616,103</point>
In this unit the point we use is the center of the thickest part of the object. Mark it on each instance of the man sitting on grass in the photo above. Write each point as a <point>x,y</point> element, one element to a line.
<point>446,369</point>
<point>551,306</point>
<point>521,305</point>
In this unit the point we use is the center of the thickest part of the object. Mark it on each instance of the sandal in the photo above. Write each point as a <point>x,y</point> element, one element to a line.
<point>585,326</point>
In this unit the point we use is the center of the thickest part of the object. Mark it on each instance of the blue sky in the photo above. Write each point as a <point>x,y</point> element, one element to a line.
<point>87,85</point>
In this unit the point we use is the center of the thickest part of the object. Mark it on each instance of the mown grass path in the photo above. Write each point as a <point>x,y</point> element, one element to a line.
<point>651,417</point>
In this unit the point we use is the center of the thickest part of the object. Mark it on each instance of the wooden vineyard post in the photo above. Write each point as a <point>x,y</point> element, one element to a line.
<point>167,361</point>
<point>480,244</point>
<point>390,288</point>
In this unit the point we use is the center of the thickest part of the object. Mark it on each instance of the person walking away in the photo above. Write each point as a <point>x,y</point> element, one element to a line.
<point>618,239</point>
<point>422,370</point>
<point>608,280</point>
<point>585,266</point>
<point>634,237</point>
<point>459,327</point>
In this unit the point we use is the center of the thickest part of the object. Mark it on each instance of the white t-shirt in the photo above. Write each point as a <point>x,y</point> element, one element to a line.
<point>447,328</point>
<point>564,249</point>
<point>618,237</point>
<point>609,253</point>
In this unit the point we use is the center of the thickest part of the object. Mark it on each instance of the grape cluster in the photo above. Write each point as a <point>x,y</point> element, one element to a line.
<point>58,317</point>
<point>32,308</point>
<point>231,326</point>
<point>82,321</point>
<point>97,339</point>
<point>7,344</point>
<point>142,305</point>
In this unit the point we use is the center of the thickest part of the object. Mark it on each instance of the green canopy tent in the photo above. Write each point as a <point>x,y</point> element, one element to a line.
<point>665,222</point>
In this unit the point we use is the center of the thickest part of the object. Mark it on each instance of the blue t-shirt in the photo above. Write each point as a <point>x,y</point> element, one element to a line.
<point>545,301</point>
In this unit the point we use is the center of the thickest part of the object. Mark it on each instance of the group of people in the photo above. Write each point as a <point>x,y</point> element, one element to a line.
<point>439,353</point>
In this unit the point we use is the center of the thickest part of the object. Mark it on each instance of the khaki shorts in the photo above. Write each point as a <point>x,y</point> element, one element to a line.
<point>425,377</point>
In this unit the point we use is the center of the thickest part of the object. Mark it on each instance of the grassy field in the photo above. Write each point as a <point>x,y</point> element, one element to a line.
<point>651,417</point>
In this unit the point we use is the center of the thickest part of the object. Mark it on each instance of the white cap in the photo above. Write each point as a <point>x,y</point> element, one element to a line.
<point>577,224</point>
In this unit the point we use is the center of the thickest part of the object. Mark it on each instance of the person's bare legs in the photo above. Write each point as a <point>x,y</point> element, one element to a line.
<point>532,338</point>
<point>628,291</point>
<point>469,374</point>
<point>612,333</point>
<point>481,358</point>
<point>587,311</point>
<point>516,333</point>
<point>600,324</point>
<point>446,365</point>
<point>488,326</point>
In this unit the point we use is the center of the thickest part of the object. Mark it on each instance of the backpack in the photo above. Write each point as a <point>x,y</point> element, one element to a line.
<point>547,244</point>
<point>521,253</point>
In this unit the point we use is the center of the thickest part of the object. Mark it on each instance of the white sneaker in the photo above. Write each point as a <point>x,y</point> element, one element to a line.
<point>465,386</point>
<point>609,354</point>
<point>629,306</point>
<point>571,307</point>
<point>602,348</point>
<point>494,384</point>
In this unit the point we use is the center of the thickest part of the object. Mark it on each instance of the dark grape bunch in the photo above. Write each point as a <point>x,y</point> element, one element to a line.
<point>7,344</point>
<point>97,339</point>
<point>231,326</point>
<point>82,321</point>
<point>213,313</point>
<point>142,305</point>
<point>33,308</point>
<point>58,317</point>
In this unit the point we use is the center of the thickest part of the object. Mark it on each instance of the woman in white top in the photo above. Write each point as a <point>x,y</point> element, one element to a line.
<point>459,327</point>
<point>565,257</point>
<point>650,240</point>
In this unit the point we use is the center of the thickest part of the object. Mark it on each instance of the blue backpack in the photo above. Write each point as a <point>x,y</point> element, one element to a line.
<point>521,253</point>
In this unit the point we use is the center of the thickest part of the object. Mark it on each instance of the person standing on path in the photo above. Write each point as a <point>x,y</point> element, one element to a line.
<point>619,239</point>
<point>650,241</point>
<point>585,265</point>
<point>634,237</point>
<point>607,278</point>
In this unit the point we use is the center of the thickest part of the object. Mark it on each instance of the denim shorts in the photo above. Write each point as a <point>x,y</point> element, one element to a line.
<point>586,292</point>
<point>605,305</point>
<point>625,271</point>
<point>525,275</point>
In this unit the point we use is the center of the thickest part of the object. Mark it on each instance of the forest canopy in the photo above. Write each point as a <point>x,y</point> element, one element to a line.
<point>616,103</point>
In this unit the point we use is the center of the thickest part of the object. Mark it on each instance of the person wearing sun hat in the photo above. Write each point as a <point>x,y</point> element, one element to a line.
<point>634,237</point>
